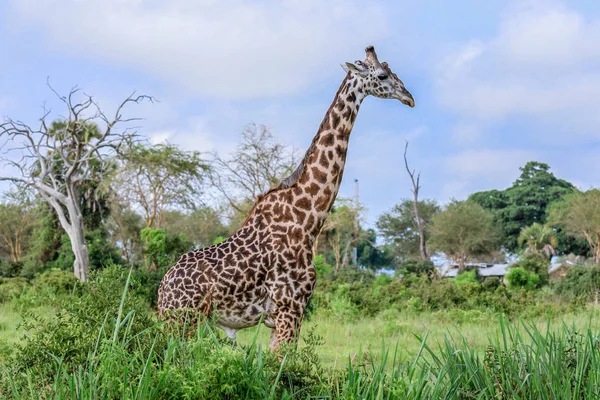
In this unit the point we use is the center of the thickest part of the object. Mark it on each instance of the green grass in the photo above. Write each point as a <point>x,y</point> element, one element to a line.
<point>10,318</point>
<point>344,339</point>
<point>106,344</point>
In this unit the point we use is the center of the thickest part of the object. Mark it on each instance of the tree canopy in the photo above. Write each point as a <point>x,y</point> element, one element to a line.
<point>464,230</point>
<point>525,202</point>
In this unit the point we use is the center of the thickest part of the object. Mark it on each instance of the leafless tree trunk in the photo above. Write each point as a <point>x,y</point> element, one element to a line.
<point>415,191</point>
<point>57,157</point>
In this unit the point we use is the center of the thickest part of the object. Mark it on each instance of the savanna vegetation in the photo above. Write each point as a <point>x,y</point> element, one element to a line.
<point>96,216</point>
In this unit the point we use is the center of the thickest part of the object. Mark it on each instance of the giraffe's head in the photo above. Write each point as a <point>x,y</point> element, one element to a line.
<point>378,79</point>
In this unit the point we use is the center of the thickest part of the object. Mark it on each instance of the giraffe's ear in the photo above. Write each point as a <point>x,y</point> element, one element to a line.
<point>357,67</point>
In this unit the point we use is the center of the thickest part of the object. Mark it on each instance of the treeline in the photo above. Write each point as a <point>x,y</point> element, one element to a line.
<point>89,195</point>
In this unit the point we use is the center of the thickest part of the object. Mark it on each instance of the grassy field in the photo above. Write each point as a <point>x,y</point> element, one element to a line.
<point>344,339</point>
<point>104,343</point>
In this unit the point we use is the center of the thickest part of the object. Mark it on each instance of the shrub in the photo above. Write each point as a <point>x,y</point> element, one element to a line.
<point>491,283</point>
<point>8,268</point>
<point>322,268</point>
<point>580,281</point>
<point>11,288</point>
<point>416,267</point>
<point>519,277</point>
<point>536,264</point>
<point>55,281</point>
<point>81,321</point>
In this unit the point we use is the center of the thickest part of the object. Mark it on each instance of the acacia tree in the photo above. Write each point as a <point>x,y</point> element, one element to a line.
<point>579,215</point>
<point>56,158</point>
<point>399,228</point>
<point>464,230</point>
<point>257,164</point>
<point>158,177</point>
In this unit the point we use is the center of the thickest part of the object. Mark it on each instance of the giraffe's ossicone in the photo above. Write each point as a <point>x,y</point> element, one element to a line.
<point>265,270</point>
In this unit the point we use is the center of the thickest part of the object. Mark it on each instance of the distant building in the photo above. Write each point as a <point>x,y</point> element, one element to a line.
<point>485,270</point>
<point>559,270</point>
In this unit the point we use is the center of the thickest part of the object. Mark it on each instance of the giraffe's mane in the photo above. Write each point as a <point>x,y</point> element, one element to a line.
<point>294,177</point>
<point>291,180</point>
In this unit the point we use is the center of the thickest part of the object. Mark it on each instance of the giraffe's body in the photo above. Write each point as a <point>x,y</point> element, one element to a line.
<point>265,269</point>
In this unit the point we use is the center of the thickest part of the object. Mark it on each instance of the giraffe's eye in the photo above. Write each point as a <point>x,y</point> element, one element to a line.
<point>382,77</point>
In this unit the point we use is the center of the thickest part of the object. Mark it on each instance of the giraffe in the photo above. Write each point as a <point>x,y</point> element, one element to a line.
<point>264,271</point>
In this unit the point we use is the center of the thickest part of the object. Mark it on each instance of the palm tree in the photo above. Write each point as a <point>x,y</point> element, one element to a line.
<point>539,239</point>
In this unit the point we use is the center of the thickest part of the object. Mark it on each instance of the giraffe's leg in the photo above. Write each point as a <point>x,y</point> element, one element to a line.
<point>287,328</point>
<point>273,340</point>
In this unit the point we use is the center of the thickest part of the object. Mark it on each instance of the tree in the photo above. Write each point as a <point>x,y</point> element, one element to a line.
<point>464,230</point>
<point>18,217</point>
<point>155,178</point>
<point>338,230</point>
<point>257,164</point>
<point>202,226</point>
<point>539,239</point>
<point>579,215</point>
<point>525,202</point>
<point>58,158</point>
<point>416,183</point>
<point>398,227</point>
<point>371,256</point>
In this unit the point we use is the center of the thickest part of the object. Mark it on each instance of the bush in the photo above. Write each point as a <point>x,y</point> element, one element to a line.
<point>416,267</point>
<point>11,288</point>
<point>580,281</point>
<point>322,268</point>
<point>491,283</point>
<point>83,319</point>
<point>519,277</point>
<point>9,269</point>
<point>55,281</point>
<point>536,264</point>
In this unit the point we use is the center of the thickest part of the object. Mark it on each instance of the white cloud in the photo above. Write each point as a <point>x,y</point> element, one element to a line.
<point>159,137</point>
<point>475,170</point>
<point>544,64</point>
<point>231,48</point>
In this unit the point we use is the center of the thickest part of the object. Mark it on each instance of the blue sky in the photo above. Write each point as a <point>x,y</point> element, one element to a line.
<point>496,83</point>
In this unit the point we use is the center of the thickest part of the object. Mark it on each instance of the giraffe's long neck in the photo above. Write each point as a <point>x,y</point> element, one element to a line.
<point>323,165</point>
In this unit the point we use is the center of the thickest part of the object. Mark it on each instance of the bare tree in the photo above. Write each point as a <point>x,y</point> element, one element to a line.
<point>258,163</point>
<point>415,190</point>
<point>56,158</point>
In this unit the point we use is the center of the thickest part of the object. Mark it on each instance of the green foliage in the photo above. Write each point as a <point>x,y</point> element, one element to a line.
<point>537,264</point>
<point>11,288</point>
<point>539,239</point>
<point>519,277</point>
<point>371,256</point>
<point>416,267</point>
<point>580,281</point>
<point>321,267</point>
<point>155,246</point>
<point>398,227</point>
<point>490,284</point>
<point>467,278</point>
<point>464,230</point>
<point>55,281</point>
<point>84,319</point>
<point>579,215</point>
<point>9,268</point>
<point>526,202</point>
